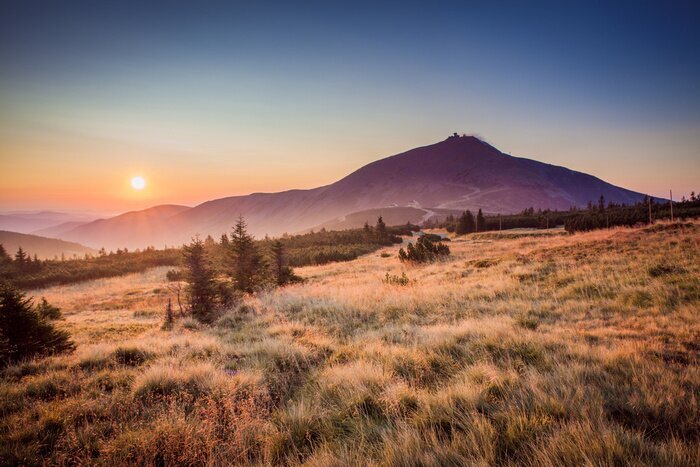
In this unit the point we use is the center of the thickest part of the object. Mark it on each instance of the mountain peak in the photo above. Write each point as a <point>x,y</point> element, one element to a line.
<point>461,172</point>
<point>463,137</point>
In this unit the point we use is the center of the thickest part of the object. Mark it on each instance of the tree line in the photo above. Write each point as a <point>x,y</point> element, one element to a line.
<point>25,271</point>
<point>600,214</point>
<point>217,274</point>
<point>314,248</point>
<point>648,210</point>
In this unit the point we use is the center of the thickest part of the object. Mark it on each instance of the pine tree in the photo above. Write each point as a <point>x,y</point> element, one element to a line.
<point>247,263</point>
<point>282,272</point>
<point>380,230</point>
<point>169,318</point>
<point>465,224</point>
<point>480,222</point>
<point>23,333</point>
<point>4,256</point>
<point>21,257</point>
<point>209,241</point>
<point>201,286</point>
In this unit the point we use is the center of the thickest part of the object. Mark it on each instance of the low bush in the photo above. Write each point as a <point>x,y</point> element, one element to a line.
<point>393,279</point>
<point>424,251</point>
<point>23,332</point>
<point>174,275</point>
<point>48,311</point>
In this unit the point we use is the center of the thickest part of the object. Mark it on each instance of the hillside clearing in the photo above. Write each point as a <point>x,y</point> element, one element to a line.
<point>522,349</point>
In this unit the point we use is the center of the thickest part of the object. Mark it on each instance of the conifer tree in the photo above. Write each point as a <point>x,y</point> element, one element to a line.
<point>209,241</point>
<point>201,285</point>
<point>21,257</point>
<point>480,221</point>
<point>282,272</point>
<point>465,224</point>
<point>4,256</point>
<point>23,333</point>
<point>380,229</point>
<point>247,263</point>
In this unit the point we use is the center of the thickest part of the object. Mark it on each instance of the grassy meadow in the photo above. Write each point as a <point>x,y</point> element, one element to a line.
<point>521,348</point>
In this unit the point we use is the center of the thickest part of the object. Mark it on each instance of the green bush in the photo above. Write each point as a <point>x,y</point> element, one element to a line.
<point>393,279</point>
<point>424,251</point>
<point>175,275</point>
<point>48,311</point>
<point>23,332</point>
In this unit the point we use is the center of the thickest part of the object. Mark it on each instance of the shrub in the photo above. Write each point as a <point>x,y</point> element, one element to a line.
<point>424,251</point>
<point>48,311</point>
<point>393,279</point>
<point>659,270</point>
<point>25,334</point>
<point>131,356</point>
<point>169,318</point>
<point>174,275</point>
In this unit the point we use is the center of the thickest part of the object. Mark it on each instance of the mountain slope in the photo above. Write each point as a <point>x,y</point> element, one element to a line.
<point>29,222</point>
<point>132,229</point>
<point>44,248</point>
<point>58,230</point>
<point>457,173</point>
<point>392,215</point>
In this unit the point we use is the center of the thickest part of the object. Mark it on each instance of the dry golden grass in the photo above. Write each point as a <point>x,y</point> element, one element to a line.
<point>520,349</point>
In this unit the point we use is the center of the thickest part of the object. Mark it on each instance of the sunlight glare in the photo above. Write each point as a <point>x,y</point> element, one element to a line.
<point>138,183</point>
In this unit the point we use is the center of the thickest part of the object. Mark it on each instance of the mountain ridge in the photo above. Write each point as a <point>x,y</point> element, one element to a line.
<point>460,172</point>
<point>43,247</point>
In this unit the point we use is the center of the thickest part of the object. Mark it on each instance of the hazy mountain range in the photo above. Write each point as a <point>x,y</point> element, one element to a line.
<point>42,247</point>
<point>461,172</point>
<point>36,221</point>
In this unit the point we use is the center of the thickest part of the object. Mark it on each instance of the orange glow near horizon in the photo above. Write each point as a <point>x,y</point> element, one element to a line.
<point>51,170</point>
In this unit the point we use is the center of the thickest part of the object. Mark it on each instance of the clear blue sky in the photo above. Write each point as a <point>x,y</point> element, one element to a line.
<point>208,99</point>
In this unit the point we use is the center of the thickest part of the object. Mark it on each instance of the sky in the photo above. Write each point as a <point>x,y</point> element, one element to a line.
<point>210,99</point>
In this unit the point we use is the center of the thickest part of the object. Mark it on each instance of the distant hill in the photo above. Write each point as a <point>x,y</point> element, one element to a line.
<point>58,230</point>
<point>44,248</point>
<point>30,221</point>
<point>132,229</point>
<point>461,172</point>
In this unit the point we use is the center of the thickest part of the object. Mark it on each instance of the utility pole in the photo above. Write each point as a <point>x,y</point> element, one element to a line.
<point>649,201</point>
<point>500,223</point>
<point>671,203</point>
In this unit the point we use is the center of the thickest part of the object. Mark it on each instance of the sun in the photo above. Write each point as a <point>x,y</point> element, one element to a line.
<point>138,183</point>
